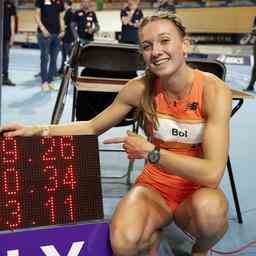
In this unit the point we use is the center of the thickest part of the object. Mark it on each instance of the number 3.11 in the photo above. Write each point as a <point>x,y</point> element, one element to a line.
<point>53,150</point>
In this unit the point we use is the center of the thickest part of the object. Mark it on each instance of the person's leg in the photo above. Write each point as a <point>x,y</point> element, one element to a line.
<point>44,45</point>
<point>253,73</point>
<point>204,215</point>
<point>137,222</point>
<point>6,49</point>
<point>54,50</point>
<point>6,56</point>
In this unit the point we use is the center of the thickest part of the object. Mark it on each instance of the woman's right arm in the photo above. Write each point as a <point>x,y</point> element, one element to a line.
<point>126,99</point>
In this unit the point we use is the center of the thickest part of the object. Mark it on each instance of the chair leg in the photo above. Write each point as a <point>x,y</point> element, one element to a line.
<point>129,172</point>
<point>73,116</point>
<point>135,128</point>
<point>233,187</point>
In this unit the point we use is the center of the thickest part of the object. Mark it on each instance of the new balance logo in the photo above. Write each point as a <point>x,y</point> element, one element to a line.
<point>192,106</point>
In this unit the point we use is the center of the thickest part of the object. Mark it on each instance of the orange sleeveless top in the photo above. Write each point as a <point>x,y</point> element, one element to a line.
<point>180,130</point>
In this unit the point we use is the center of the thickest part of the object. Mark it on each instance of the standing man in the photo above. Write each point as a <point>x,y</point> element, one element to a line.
<point>85,23</point>
<point>8,38</point>
<point>50,29</point>
<point>131,17</point>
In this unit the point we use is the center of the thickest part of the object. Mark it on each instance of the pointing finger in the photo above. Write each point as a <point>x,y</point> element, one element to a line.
<point>114,140</point>
<point>130,133</point>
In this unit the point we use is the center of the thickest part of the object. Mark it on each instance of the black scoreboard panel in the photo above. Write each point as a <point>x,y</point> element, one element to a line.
<point>49,180</point>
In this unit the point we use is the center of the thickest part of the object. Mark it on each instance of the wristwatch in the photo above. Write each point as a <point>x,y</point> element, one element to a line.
<point>154,156</point>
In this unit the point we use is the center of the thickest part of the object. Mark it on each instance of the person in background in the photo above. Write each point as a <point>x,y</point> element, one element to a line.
<point>253,73</point>
<point>8,38</point>
<point>131,17</point>
<point>185,114</point>
<point>50,30</point>
<point>68,38</point>
<point>85,23</point>
<point>167,6</point>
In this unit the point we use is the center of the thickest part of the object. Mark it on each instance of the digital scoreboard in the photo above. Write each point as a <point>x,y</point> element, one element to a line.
<point>48,181</point>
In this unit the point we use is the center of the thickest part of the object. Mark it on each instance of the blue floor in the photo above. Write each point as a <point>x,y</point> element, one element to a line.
<point>26,103</point>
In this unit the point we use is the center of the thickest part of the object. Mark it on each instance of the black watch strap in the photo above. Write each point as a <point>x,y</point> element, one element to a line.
<point>154,155</point>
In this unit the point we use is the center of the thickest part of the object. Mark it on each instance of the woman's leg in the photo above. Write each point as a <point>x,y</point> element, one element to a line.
<point>137,221</point>
<point>205,216</point>
<point>54,50</point>
<point>44,45</point>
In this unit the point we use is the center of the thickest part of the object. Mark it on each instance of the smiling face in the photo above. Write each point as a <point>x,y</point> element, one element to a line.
<point>164,48</point>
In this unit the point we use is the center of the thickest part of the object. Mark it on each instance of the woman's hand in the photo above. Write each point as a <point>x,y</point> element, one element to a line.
<point>17,129</point>
<point>136,146</point>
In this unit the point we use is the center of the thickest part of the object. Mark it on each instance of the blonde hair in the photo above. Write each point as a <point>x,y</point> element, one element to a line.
<point>146,113</point>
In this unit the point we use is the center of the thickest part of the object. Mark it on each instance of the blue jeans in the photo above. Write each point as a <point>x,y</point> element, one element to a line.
<point>49,47</point>
<point>6,51</point>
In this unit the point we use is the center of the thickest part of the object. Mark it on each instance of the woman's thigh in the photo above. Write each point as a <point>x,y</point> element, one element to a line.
<point>141,211</point>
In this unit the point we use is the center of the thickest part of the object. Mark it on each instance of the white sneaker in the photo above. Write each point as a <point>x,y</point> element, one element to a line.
<point>45,87</point>
<point>52,87</point>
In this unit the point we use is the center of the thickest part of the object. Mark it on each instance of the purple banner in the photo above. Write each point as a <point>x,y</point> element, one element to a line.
<point>90,239</point>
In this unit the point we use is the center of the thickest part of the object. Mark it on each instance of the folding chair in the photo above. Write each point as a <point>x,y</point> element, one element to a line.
<point>218,68</point>
<point>105,69</point>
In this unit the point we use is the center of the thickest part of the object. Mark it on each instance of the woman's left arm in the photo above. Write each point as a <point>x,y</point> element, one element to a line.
<point>207,171</point>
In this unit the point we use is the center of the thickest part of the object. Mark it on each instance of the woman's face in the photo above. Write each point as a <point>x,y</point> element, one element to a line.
<point>163,48</point>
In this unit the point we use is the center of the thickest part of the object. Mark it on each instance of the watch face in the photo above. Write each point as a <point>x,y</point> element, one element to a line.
<point>154,156</point>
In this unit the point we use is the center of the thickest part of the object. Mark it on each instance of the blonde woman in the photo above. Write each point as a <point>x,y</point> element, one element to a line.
<point>185,114</point>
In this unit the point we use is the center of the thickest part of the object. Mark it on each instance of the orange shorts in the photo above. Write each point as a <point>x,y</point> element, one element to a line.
<point>174,191</point>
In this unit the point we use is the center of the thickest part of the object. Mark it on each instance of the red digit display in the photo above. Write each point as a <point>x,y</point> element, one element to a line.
<point>67,148</point>
<point>49,180</point>
<point>9,150</point>
<point>51,207</point>
<point>14,208</point>
<point>11,183</point>
<point>51,172</point>
<point>69,178</point>
<point>69,202</point>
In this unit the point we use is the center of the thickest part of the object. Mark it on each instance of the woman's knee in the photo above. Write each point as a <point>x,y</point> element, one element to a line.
<point>128,224</point>
<point>209,208</point>
<point>124,239</point>
<point>134,223</point>
<point>131,242</point>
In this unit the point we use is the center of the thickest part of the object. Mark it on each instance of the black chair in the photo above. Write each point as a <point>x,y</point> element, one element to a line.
<point>218,68</point>
<point>101,64</point>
